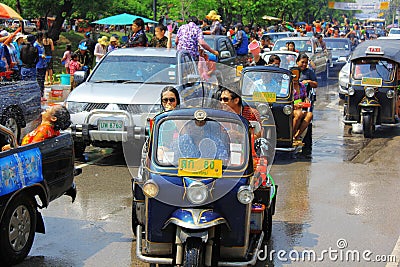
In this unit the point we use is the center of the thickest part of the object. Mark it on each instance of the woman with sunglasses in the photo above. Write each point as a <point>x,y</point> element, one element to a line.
<point>169,98</point>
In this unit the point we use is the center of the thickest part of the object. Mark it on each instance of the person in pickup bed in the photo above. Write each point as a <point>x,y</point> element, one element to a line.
<point>54,119</point>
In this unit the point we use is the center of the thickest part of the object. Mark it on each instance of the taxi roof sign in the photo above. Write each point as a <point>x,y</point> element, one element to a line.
<point>374,50</point>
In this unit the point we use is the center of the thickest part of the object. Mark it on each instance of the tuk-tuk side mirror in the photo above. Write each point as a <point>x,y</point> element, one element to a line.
<point>296,74</point>
<point>261,147</point>
<point>8,136</point>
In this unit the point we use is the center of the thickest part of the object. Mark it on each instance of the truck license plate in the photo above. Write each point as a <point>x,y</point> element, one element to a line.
<point>110,125</point>
<point>200,167</point>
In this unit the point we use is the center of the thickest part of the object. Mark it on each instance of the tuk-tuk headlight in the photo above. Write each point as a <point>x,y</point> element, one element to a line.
<point>150,189</point>
<point>245,194</point>
<point>390,94</point>
<point>197,193</point>
<point>263,109</point>
<point>351,91</point>
<point>287,109</point>
<point>369,91</point>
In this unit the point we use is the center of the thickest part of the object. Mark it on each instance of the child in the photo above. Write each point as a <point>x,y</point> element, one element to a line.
<point>74,65</point>
<point>67,57</point>
<point>54,119</point>
<point>206,66</point>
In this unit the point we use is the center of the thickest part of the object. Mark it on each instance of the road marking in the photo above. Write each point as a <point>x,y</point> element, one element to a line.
<point>92,162</point>
<point>396,254</point>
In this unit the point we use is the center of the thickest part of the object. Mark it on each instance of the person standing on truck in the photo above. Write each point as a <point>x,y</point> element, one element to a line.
<point>41,64</point>
<point>18,42</point>
<point>241,42</point>
<point>29,58</point>
<point>189,37</point>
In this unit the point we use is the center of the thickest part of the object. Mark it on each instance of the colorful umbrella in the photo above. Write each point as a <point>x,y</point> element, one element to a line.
<point>7,12</point>
<point>122,19</point>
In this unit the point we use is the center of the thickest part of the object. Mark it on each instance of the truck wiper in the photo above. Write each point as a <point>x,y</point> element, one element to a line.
<point>111,81</point>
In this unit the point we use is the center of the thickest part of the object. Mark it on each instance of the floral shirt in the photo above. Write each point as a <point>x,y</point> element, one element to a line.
<point>154,42</point>
<point>42,132</point>
<point>74,66</point>
<point>188,38</point>
<point>302,91</point>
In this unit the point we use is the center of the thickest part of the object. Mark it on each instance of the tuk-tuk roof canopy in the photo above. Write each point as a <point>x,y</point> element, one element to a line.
<point>390,49</point>
<point>215,113</point>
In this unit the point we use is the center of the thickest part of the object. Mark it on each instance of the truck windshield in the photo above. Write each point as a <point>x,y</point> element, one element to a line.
<point>265,82</point>
<point>373,69</point>
<point>301,45</point>
<point>136,69</point>
<point>209,139</point>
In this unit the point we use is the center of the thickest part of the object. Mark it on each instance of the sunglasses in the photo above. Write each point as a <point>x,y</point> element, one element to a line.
<point>165,100</point>
<point>225,99</point>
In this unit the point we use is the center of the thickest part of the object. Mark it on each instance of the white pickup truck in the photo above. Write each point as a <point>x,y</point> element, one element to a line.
<point>28,26</point>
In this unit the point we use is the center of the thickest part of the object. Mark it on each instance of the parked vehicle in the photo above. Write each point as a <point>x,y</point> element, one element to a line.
<point>374,80</point>
<point>27,26</point>
<point>312,48</point>
<point>268,85</point>
<point>341,50</point>
<point>198,198</point>
<point>19,104</point>
<point>394,32</point>
<point>123,90</point>
<point>275,36</point>
<point>43,171</point>
<point>227,59</point>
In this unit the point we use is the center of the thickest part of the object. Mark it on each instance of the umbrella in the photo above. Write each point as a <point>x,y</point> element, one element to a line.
<point>271,18</point>
<point>7,12</point>
<point>122,19</point>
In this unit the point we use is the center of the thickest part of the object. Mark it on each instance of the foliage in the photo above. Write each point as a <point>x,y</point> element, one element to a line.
<point>231,11</point>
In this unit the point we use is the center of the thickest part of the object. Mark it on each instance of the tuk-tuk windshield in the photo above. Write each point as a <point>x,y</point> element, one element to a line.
<point>208,139</point>
<point>268,82</point>
<point>373,68</point>
<point>287,60</point>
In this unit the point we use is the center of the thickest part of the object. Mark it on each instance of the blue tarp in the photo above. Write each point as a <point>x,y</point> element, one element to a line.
<point>122,19</point>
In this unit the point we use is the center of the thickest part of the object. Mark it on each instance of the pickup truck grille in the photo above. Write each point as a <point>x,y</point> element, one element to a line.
<point>140,109</point>
<point>91,106</point>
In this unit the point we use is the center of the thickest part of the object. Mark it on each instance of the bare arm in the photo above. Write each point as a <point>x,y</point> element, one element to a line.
<point>207,47</point>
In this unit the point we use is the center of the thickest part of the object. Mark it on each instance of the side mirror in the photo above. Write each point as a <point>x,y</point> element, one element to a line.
<point>79,76</point>
<point>225,54</point>
<point>256,125</point>
<point>261,147</point>
<point>9,136</point>
<point>296,74</point>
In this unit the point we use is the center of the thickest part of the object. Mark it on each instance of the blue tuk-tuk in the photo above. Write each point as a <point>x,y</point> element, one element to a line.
<point>203,196</point>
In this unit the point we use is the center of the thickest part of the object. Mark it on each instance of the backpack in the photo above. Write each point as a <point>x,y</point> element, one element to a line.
<point>29,55</point>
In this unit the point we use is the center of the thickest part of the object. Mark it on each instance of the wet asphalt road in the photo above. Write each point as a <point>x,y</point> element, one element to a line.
<point>347,193</point>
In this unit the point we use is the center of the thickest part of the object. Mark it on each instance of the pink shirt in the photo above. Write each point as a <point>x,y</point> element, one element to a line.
<point>74,66</point>
<point>67,56</point>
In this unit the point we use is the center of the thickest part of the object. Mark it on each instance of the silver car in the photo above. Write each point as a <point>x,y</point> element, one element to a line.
<point>113,104</point>
<point>344,80</point>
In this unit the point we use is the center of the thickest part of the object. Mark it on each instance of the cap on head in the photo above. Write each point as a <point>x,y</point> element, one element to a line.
<point>87,34</point>
<point>82,46</point>
<point>4,33</point>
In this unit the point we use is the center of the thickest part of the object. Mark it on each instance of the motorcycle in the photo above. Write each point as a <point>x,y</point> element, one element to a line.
<point>203,195</point>
<point>374,83</point>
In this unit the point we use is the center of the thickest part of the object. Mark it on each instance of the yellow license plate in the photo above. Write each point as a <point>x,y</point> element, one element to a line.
<point>371,81</point>
<point>200,167</point>
<point>269,97</point>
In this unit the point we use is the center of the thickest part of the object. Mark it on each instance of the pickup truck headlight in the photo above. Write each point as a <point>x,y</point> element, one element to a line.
<point>75,107</point>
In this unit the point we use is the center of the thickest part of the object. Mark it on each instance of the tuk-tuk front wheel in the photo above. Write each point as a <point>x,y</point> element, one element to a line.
<point>368,125</point>
<point>193,253</point>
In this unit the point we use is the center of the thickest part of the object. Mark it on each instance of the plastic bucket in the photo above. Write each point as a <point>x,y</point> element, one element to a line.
<point>65,79</point>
